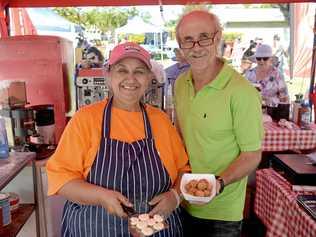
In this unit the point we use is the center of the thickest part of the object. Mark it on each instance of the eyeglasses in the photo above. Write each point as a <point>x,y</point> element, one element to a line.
<point>201,42</point>
<point>262,58</point>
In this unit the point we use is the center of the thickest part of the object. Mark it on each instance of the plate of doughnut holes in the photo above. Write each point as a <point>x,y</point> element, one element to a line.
<point>198,188</point>
<point>146,225</point>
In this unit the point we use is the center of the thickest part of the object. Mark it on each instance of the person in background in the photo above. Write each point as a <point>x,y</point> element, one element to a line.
<point>172,73</point>
<point>245,65</point>
<point>176,69</point>
<point>93,58</point>
<point>279,52</point>
<point>118,154</point>
<point>220,119</point>
<point>271,82</point>
<point>237,53</point>
<point>250,51</point>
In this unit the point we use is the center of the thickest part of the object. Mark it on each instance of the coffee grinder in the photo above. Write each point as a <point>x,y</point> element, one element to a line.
<point>19,120</point>
<point>19,124</point>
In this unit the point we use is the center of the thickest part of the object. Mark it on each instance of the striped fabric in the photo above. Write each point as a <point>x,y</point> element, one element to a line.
<point>135,170</point>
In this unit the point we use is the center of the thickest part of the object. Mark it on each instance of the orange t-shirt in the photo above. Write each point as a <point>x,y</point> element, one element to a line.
<point>80,141</point>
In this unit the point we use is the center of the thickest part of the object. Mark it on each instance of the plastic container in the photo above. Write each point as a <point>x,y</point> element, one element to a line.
<point>141,225</point>
<point>186,178</point>
<point>5,213</point>
<point>296,106</point>
<point>4,147</point>
<point>295,109</point>
<point>304,116</point>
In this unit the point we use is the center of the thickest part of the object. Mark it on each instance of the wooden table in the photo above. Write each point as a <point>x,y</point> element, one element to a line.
<point>9,168</point>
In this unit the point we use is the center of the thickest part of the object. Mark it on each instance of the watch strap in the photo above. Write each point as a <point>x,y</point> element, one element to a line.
<point>222,184</point>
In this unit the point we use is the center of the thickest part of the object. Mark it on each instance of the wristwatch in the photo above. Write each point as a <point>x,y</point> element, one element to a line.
<point>222,184</point>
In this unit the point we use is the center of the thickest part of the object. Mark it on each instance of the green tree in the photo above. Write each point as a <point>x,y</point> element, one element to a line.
<point>146,17</point>
<point>73,14</point>
<point>104,19</point>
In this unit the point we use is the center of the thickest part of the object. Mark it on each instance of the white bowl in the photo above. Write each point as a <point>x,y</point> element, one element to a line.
<point>194,199</point>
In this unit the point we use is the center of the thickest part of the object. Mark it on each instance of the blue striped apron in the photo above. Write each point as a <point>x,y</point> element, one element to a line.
<point>135,170</point>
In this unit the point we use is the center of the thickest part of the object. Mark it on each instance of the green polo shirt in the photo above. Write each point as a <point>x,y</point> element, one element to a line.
<point>218,122</point>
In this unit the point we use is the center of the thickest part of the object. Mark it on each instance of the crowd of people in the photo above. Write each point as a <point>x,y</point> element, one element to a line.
<point>120,153</point>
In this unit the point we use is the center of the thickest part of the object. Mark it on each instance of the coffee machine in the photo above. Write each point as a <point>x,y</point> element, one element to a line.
<point>44,124</point>
<point>19,120</point>
<point>91,86</point>
<point>19,123</point>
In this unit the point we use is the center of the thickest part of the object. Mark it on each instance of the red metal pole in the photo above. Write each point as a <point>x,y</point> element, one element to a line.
<point>4,20</point>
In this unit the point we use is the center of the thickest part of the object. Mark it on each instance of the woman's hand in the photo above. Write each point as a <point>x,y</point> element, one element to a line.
<point>112,201</point>
<point>165,204</point>
<point>84,193</point>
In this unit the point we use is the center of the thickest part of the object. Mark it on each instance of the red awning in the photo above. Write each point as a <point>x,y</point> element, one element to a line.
<point>69,3</point>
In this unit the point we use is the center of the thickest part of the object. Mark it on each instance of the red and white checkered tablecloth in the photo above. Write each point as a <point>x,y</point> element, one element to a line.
<point>280,139</point>
<point>276,206</point>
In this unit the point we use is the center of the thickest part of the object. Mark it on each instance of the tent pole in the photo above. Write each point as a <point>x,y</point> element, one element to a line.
<point>291,53</point>
<point>312,81</point>
<point>161,30</point>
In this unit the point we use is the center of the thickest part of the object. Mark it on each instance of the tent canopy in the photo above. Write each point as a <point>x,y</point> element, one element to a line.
<point>68,3</point>
<point>46,19</point>
<point>138,26</point>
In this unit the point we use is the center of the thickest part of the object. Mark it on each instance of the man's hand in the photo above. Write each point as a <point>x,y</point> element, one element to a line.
<point>112,201</point>
<point>165,204</point>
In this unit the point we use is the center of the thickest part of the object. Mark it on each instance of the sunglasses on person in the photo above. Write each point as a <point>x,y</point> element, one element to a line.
<point>262,58</point>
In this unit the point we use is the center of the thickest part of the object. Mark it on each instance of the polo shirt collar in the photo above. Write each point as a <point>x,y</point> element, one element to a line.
<point>184,65</point>
<point>220,81</point>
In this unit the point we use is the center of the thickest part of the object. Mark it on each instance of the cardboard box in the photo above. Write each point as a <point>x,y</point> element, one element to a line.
<point>12,94</point>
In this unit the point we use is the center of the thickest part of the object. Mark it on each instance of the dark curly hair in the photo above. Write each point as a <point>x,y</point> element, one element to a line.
<point>96,51</point>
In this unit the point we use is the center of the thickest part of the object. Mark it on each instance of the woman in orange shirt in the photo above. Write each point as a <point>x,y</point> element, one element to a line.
<point>119,153</point>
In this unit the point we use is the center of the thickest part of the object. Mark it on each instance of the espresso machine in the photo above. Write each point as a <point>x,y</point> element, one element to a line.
<point>91,86</point>
<point>19,123</point>
<point>19,120</point>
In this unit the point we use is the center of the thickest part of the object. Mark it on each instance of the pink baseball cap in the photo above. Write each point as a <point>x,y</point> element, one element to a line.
<point>129,49</point>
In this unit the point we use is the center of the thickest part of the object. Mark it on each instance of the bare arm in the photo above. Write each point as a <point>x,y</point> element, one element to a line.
<point>241,167</point>
<point>165,203</point>
<point>82,192</point>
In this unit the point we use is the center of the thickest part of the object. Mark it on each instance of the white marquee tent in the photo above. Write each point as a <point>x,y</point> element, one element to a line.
<point>137,26</point>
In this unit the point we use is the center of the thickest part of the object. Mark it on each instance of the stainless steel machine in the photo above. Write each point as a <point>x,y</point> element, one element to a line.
<point>91,86</point>
<point>155,94</point>
<point>20,125</point>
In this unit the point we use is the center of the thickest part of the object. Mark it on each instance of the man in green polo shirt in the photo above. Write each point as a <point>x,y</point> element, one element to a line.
<point>219,116</point>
